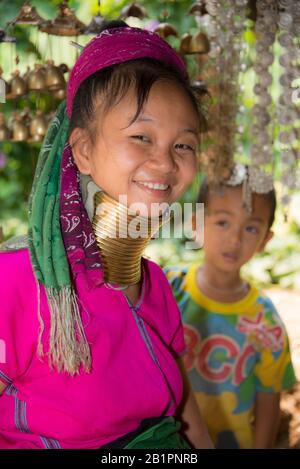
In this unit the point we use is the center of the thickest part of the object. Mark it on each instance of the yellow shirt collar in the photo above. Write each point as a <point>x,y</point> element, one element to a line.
<point>190,286</point>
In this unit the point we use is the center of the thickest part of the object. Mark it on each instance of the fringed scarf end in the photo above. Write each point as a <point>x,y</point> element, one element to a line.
<point>68,346</point>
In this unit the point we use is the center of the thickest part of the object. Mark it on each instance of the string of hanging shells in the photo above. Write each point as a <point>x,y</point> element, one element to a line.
<point>275,122</point>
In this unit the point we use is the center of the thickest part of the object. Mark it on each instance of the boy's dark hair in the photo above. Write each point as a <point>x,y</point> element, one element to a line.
<point>270,197</point>
<point>112,83</point>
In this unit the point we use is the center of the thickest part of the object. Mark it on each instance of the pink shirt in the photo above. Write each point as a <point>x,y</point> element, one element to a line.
<point>134,373</point>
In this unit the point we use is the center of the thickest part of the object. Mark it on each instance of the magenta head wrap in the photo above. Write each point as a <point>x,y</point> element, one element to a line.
<point>118,45</point>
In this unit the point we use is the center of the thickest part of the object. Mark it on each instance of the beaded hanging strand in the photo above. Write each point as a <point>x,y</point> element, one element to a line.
<point>225,30</point>
<point>287,111</point>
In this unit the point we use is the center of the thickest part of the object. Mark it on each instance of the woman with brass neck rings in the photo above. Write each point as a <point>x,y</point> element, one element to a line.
<point>99,364</point>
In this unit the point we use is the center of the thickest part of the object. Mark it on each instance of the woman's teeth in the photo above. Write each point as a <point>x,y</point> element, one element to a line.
<point>151,185</point>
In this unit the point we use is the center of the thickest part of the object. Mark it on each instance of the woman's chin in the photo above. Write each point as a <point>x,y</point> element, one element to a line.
<point>149,211</point>
<point>149,208</point>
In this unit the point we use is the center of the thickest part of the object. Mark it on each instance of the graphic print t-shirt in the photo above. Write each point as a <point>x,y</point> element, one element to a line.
<point>234,351</point>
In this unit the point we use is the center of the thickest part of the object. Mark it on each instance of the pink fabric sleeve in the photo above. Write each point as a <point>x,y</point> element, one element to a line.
<point>18,315</point>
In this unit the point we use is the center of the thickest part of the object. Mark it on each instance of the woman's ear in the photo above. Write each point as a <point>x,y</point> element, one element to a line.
<point>81,145</point>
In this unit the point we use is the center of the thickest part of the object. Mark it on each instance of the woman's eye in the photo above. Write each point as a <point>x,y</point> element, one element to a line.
<point>141,138</point>
<point>185,147</point>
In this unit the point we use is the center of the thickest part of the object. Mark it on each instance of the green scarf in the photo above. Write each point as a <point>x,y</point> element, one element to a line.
<point>68,348</point>
<point>46,246</point>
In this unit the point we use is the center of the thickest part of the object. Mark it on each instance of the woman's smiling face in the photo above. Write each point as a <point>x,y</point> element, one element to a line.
<point>150,160</point>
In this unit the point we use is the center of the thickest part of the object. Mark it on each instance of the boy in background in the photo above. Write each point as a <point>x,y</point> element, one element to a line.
<point>238,356</point>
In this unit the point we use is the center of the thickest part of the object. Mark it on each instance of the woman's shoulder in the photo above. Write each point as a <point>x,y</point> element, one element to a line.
<point>152,266</point>
<point>167,279</point>
<point>155,271</point>
<point>18,288</point>
<point>19,300</point>
<point>156,277</point>
<point>15,262</point>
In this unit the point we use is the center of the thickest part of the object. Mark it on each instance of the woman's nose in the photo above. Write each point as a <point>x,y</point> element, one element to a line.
<point>164,160</point>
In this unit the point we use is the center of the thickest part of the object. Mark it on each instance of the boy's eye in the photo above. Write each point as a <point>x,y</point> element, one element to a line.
<point>252,229</point>
<point>185,147</point>
<point>222,223</point>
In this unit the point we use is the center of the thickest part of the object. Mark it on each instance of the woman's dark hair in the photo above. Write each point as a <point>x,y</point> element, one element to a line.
<point>270,197</point>
<point>112,84</point>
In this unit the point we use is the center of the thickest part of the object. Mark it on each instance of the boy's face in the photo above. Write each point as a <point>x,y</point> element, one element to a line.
<point>232,235</point>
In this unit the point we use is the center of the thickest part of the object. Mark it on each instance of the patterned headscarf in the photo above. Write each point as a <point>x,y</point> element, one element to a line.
<point>61,240</point>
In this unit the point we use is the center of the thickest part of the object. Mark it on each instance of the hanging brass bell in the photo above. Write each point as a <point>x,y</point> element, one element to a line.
<point>63,68</point>
<point>185,43</point>
<point>59,94</point>
<point>18,86</point>
<point>198,8</point>
<point>38,126</point>
<point>55,79</point>
<point>199,44</point>
<point>4,130</point>
<point>65,24</point>
<point>134,9</point>
<point>165,29</point>
<point>27,16</point>
<point>36,80</point>
<point>20,132</point>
